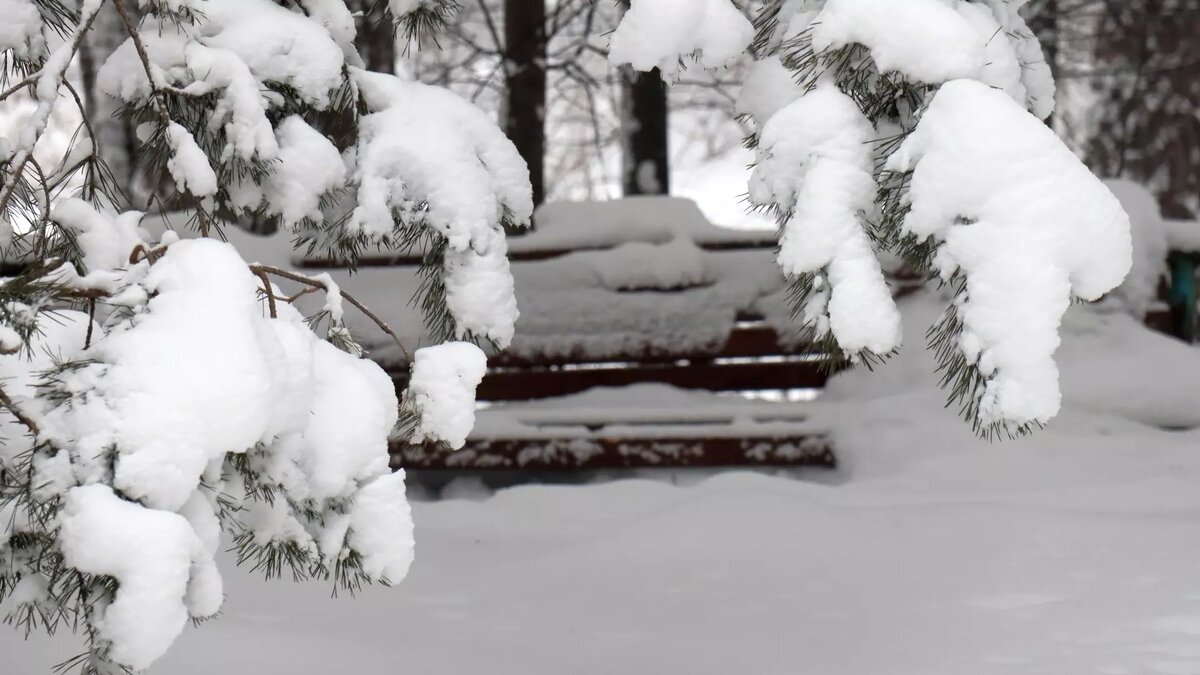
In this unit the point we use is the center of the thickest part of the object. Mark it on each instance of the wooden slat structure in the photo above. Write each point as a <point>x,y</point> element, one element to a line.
<point>752,359</point>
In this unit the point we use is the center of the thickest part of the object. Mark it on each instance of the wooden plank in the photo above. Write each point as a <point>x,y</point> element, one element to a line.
<point>755,340</point>
<point>529,384</point>
<point>618,453</point>
<point>410,258</point>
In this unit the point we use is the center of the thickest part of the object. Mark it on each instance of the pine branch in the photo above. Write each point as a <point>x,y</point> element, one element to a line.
<point>263,270</point>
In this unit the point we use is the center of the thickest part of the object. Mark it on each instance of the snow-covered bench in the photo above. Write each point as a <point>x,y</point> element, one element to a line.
<point>647,337</point>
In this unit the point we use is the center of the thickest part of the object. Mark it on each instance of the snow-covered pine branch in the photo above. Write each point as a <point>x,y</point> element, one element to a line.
<point>157,394</point>
<point>913,129</point>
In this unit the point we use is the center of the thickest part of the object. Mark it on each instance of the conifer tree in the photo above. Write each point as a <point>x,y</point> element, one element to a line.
<point>912,130</point>
<point>158,392</point>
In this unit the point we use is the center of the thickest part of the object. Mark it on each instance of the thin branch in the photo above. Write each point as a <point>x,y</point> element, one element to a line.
<point>143,56</point>
<point>316,283</point>
<point>24,419</point>
<point>45,105</point>
<point>262,274</point>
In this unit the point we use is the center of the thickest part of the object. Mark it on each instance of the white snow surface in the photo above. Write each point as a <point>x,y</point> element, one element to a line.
<point>927,40</point>
<point>442,390</point>
<point>21,30</point>
<point>149,552</point>
<point>425,145</point>
<point>189,166</point>
<point>815,162</point>
<point>935,41</point>
<point>308,167</point>
<point>1026,223</point>
<point>768,87</point>
<point>1071,552</point>
<point>663,33</point>
<point>199,371</point>
<point>1139,292</point>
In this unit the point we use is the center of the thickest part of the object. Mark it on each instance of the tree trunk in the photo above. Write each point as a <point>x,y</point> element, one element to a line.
<point>644,132</point>
<point>647,167</point>
<point>525,77</point>
<point>114,134</point>
<point>376,38</point>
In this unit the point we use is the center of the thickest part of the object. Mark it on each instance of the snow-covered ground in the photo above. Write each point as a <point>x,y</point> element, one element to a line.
<point>1076,551</point>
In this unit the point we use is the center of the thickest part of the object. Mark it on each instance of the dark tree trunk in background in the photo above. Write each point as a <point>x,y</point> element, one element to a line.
<point>376,39</point>
<point>525,77</point>
<point>645,144</point>
<point>1043,20</point>
<point>114,134</point>
<point>1147,89</point>
<point>647,166</point>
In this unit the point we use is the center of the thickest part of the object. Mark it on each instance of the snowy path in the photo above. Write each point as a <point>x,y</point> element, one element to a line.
<point>747,574</point>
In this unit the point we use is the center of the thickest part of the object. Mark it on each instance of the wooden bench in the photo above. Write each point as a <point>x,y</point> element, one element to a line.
<point>742,400</point>
<point>651,401</point>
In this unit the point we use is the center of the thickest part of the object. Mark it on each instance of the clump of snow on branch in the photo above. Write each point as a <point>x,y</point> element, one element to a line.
<point>21,30</point>
<point>662,33</point>
<point>151,554</point>
<point>192,399</point>
<point>200,398</point>
<point>308,166</point>
<point>934,41</point>
<point>768,87</point>
<point>1025,223</point>
<point>442,391</point>
<point>435,158</point>
<point>814,160</point>
<point>105,239</point>
<point>890,60</point>
<point>189,166</point>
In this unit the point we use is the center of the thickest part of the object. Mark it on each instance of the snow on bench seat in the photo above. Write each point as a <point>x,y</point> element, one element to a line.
<point>641,425</point>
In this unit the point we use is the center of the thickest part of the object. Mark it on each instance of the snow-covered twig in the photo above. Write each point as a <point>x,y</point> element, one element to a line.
<point>318,283</point>
<point>11,406</point>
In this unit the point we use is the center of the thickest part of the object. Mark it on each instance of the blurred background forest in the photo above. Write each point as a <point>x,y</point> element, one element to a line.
<point>1128,74</point>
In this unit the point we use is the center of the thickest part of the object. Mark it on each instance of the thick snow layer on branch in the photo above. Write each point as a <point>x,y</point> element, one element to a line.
<point>381,527</point>
<point>21,30</point>
<point>189,166</point>
<point>277,44</point>
<point>1036,79</point>
<point>662,33</point>
<point>241,107</point>
<point>442,389</point>
<point>1026,223</point>
<point>198,375</point>
<point>815,162</point>
<point>202,373</point>
<point>106,239</point>
<point>308,166</point>
<point>934,41</point>
<point>432,156</point>
<point>61,335</point>
<point>148,552</point>
<point>925,39</point>
<point>768,87</point>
